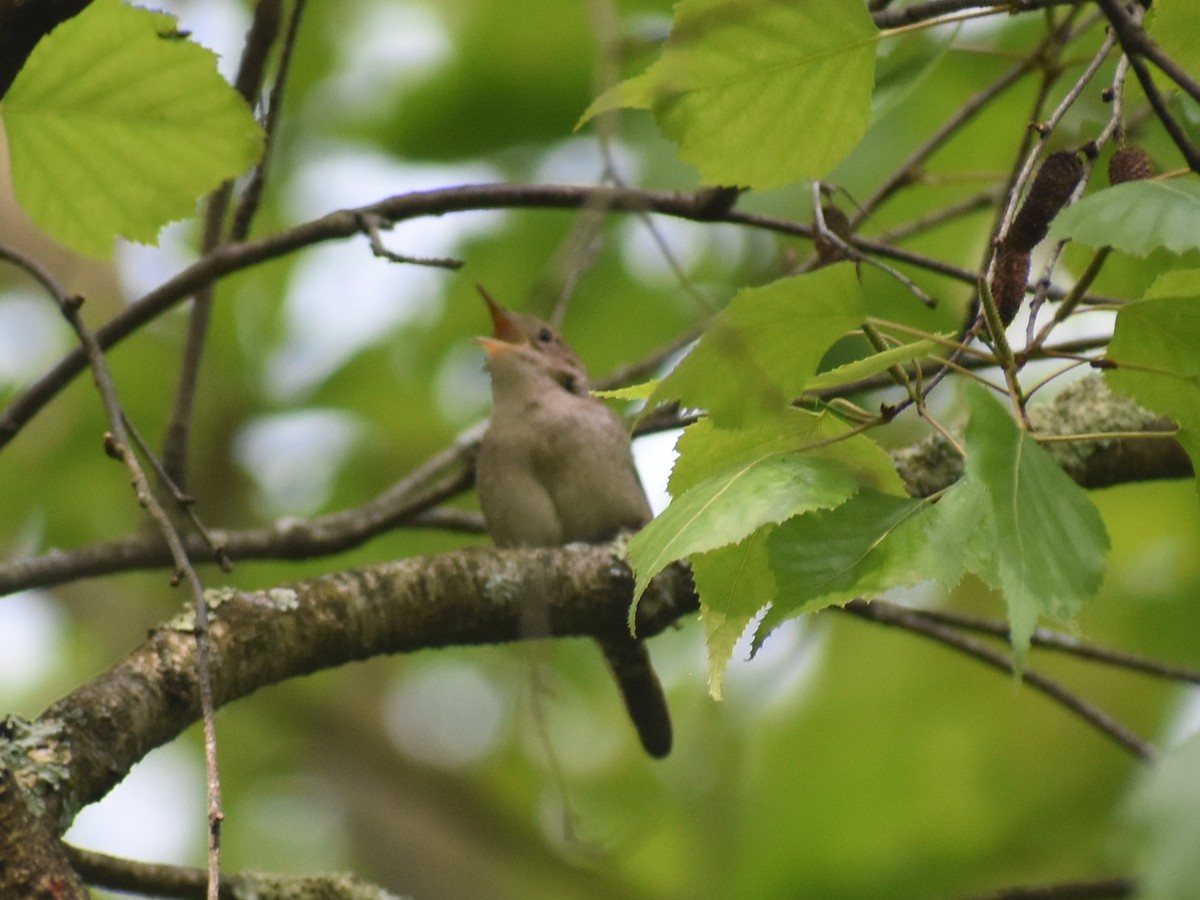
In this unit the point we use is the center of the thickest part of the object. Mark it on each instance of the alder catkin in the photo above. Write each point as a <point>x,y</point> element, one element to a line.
<point>1055,181</point>
<point>1009,277</point>
<point>1130,164</point>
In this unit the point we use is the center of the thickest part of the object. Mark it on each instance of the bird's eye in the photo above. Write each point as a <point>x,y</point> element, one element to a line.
<point>545,335</point>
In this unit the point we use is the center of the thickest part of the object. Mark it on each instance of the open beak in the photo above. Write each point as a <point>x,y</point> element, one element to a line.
<point>506,336</point>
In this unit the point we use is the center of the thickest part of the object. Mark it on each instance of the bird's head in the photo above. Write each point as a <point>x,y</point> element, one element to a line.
<point>524,348</point>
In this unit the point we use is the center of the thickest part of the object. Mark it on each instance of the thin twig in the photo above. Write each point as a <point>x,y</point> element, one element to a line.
<point>185,502</point>
<point>1135,42</point>
<point>907,171</point>
<point>823,233</point>
<point>371,225</point>
<point>931,10</point>
<point>890,614</point>
<point>117,445</point>
<point>1065,643</point>
<point>248,204</point>
<point>177,437</point>
<point>981,201</point>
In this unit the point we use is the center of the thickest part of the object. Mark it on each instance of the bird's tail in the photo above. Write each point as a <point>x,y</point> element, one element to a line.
<point>629,661</point>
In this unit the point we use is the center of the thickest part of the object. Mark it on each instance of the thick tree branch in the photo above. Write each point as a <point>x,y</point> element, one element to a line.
<point>33,865</point>
<point>160,880</point>
<point>86,742</point>
<point>934,9</point>
<point>1101,889</point>
<point>1085,407</point>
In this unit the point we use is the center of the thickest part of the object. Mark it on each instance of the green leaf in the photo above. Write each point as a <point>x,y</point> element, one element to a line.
<point>630,392</point>
<point>730,505</point>
<point>869,544</point>
<point>1176,283</point>
<point>1043,542</point>
<point>706,450</point>
<point>728,483</point>
<point>758,354</point>
<point>1176,27</point>
<point>1135,217</point>
<point>759,93</point>
<point>871,365</point>
<point>114,129</point>
<point>1154,346</point>
<point>735,582</point>
<point>904,62</point>
<point>961,538</point>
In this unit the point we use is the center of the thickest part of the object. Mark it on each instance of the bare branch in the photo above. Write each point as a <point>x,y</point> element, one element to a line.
<point>345,223</point>
<point>910,620</point>
<point>117,445</point>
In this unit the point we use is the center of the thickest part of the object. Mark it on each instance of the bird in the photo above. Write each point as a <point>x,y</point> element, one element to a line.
<point>555,467</point>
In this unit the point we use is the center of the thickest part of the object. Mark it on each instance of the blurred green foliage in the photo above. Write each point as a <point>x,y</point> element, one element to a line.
<point>847,761</point>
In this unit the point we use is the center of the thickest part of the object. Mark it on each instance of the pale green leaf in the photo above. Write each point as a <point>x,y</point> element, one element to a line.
<point>1176,283</point>
<point>869,544</point>
<point>1175,26</point>
<point>735,583</point>
<point>706,450</point>
<point>1154,346</point>
<point>1135,217</point>
<point>633,93</point>
<point>1048,541</point>
<point>727,483</point>
<point>640,391</point>
<point>758,354</point>
<point>871,365</point>
<point>760,93</point>
<point>726,507</point>
<point>962,536</point>
<point>115,129</point>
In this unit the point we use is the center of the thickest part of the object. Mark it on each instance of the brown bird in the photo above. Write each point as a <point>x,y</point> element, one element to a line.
<point>555,467</point>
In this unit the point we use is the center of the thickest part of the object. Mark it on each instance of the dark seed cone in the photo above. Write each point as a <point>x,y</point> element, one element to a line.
<point>836,222</point>
<point>1008,282</point>
<point>1055,181</point>
<point>1130,164</point>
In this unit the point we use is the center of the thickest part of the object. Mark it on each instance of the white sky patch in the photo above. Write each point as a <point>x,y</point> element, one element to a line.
<point>385,46</point>
<point>294,457</point>
<point>461,385</point>
<point>689,244</point>
<point>782,671</point>
<point>1186,721</point>
<point>33,334</point>
<point>31,635</point>
<point>654,455</point>
<point>341,298</point>
<point>219,25</point>
<point>579,161</point>
<point>141,267</point>
<point>155,814</point>
<point>335,176</point>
